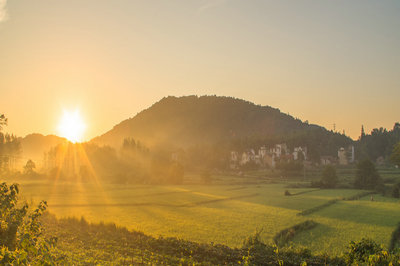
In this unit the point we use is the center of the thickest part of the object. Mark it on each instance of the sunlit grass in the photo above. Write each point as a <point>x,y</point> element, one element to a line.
<point>184,212</point>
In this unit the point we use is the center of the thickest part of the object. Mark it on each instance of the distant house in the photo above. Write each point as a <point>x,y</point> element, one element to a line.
<point>234,159</point>
<point>262,151</point>
<point>245,158</point>
<point>346,156</point>
<point>279,149</point>
<point>234,156</point>
<point>269,160</point>
<point>342,156</point>
<point>266,157</point>
<point>299,150</point>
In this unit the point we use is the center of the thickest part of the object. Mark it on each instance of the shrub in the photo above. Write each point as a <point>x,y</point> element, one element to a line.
<point>395,239</point>
<point>20,232</point>
<point>329,177</point>
<point>367,177</point>
<point>359,252</point>
<point>287,234</point>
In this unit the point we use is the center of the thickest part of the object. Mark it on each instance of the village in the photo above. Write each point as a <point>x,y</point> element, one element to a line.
<point>269,158</point>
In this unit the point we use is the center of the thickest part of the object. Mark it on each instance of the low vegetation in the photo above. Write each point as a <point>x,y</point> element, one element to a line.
<point>284,236</point>
<point>317,208</point>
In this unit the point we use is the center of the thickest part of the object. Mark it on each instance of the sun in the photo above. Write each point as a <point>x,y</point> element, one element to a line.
<point>71,126</point>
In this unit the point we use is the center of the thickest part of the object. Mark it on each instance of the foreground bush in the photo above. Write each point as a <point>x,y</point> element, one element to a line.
<point>21,239</point>
<point>367,252</point>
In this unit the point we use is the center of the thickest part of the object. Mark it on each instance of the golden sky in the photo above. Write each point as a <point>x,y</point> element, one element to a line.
<point>323,61</point>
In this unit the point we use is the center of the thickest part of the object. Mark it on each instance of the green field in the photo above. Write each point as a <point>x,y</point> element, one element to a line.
<point>223,213</point>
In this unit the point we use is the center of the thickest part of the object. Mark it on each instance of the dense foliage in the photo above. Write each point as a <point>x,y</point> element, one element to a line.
<point>367,177</point>
<point>395,156</point>
<point>380,142</point>
<point>395,239</point>
<point>329,177</point>
<point>21,240</point>
<point>367,252</point>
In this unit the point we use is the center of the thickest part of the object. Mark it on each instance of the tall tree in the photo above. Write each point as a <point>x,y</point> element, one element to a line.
<point>362,132</point>
<point>3,121</point>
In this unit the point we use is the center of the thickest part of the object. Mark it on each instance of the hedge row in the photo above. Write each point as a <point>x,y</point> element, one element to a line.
<point>360,195</point>
<point>284,236</point>
<point>317,208</point>
<point>395,239</point>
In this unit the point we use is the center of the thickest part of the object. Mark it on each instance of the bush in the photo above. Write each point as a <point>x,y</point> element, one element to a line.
<point>329,177</point>
<point>359,252</point>
<point>367,177</point>
<point>395,239</point>
<point>20,232</point>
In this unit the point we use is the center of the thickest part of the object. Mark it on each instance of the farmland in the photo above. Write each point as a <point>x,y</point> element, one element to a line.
<point>226,212</point>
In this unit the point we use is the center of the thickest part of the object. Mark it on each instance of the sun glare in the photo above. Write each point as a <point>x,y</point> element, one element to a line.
<point>72,126</point>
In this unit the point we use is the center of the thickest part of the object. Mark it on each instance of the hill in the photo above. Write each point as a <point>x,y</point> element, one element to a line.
<point>34,145</point>
<point>191,120</point>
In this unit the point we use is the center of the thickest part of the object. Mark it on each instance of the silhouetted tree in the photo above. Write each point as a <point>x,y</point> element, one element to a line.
<point>380,142</point>
<point>395,156</point>
<point>10,148</point>
<point>3,121</point>
<point>29,166</point>
<point>329,177</point>
<point>367,177</point>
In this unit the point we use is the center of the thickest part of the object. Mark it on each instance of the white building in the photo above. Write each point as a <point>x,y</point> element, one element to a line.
<point>297,151</point>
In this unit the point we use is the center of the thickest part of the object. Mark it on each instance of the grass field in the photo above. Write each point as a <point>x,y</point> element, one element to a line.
<point>225,214</point>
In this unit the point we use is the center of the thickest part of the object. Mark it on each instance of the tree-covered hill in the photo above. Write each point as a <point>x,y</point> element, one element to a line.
<point>190,120</point>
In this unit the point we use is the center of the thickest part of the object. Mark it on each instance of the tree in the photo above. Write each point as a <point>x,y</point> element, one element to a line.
<point>367,177</point>
<point>28,168</point>
<point>329,177</point>
<point>362,132</point>
<point>395,156</point>
<point>3,121</point>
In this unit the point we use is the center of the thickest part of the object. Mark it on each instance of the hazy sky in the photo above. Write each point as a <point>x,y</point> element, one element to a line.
<point>323,61</point>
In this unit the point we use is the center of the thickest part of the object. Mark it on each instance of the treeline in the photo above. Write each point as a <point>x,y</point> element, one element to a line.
<point>131,163</point>
<point>10,148</point>
<point>379,143</point>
